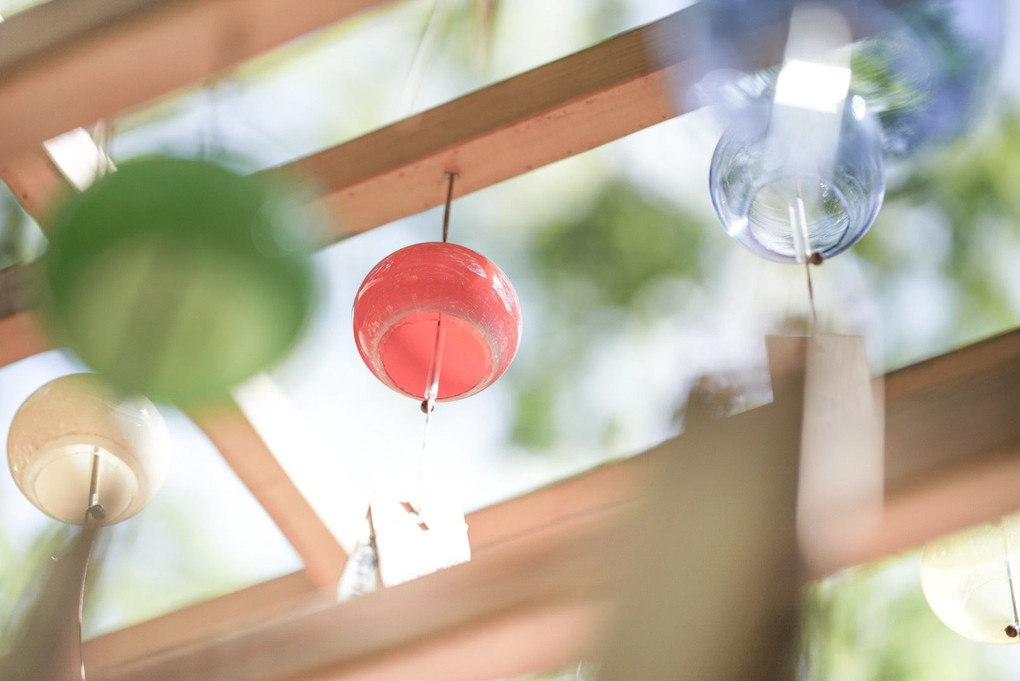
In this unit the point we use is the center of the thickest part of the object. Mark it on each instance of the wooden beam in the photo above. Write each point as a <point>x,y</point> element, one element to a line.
<point>598,95</point>
<point>543,554</point>
<point>253,461</point>
<point>595,96</point>
<point>281,597</point>
<point>503,595</point>
<point>62,67</point>
<point>588,503</point>
<point>944,412</point>
<point>587,99</point>
<point>21,334</point>
<point>65,65</point>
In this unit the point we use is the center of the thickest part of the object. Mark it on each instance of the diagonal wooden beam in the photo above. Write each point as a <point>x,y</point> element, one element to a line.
<point>65,65</point>
<point>260,468</point>
<point>281,597</point>
<point>71,162</point>
<point>21,333</point>
<point>21,336</point>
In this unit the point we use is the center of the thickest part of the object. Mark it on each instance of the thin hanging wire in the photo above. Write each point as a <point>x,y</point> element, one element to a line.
<point>815,258</point>
<point>422,55</point>
<point>1012,629</point>
<point>802,247</point>
<point>435,369</point>
<point>93,505</point>
<point>446,210</point>
<point>94,515</point>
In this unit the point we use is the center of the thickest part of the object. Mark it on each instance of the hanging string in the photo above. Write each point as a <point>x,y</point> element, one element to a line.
<point>813,259</point>
<point>1013,628</point>
<point>94,515</point>
<point>435,369</point>
<point>94,510</point>
<point>446,210</point>
<point>422,55</point>
<point>802,247</point>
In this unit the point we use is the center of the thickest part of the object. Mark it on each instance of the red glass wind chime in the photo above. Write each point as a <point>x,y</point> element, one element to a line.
<point>437,322</point>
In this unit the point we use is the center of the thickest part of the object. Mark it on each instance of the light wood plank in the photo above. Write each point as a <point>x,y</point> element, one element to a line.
<point>520,540</point>
<point>947,410</point>
<point>21,334</point>
<point>276,598</point>
<point>548,583</point>
<point>21,337</point>
<point>65,65</point>
<point>558,110</point>
<point>569,106</point>
<point>255,463</point>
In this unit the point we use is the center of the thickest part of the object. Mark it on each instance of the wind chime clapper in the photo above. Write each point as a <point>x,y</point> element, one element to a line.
<point>436,322</point>
<point>84,455</point>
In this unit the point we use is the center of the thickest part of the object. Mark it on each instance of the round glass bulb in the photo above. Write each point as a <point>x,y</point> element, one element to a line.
<point>178,278</point>
<point>970,581</point>
<point>74,422</point>
<point>765,179</point>
<point>417,291</point>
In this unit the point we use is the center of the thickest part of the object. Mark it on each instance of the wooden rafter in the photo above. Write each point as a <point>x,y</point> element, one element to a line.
<point>558,110</point>
<point>598,95</point>
<point>931,496</point>
<point>65,65</point>
<point>259,467</point>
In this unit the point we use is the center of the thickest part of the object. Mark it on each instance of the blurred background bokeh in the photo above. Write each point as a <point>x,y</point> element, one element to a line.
<point>630,290</point>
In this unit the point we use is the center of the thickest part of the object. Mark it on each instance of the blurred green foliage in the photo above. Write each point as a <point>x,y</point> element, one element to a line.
<point>873,624</point>
<point>595,268</point>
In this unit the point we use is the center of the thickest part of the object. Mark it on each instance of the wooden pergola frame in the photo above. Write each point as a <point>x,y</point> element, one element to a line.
<point>532,597</point>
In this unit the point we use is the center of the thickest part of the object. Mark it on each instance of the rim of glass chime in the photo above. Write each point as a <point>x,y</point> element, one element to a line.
<point>179,278</point>
<point>763,185</point>
<point>437,300</point>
